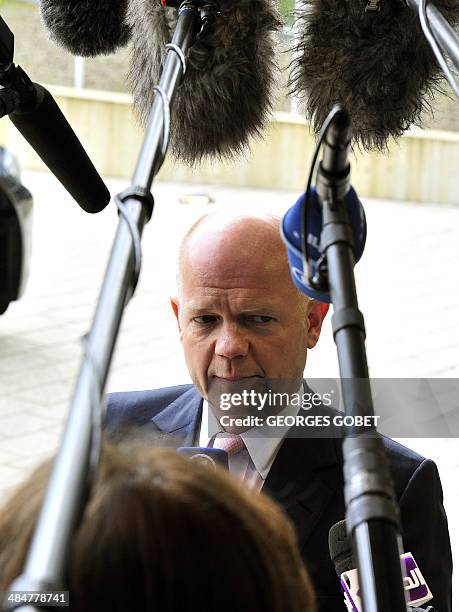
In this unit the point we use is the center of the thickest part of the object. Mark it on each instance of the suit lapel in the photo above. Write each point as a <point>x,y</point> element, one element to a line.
<point>181,418</point>
<point>295,481</point>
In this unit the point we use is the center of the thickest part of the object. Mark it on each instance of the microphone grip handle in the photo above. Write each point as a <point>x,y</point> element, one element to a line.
<point>46,129</point>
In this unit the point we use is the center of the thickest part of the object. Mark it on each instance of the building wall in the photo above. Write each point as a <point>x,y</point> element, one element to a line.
<point>421,167</point>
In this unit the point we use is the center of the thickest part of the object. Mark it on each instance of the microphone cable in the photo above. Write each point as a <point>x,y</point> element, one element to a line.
<point>314,280</point>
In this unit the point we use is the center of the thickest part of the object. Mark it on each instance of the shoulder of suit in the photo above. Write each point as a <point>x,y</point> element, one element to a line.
<point>396,452</point>
<point>399,452</point>
<point>403,461</point>
<point>138,407</point>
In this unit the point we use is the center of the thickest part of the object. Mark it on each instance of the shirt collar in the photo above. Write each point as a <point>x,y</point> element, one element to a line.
<point>260,442</point>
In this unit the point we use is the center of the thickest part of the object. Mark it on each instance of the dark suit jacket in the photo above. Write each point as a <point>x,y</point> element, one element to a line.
<point>306,479</point>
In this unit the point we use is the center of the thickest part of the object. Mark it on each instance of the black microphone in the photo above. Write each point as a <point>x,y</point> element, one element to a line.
<point>373,58</point>
<point>45,128</point>
<point>34,112</point>
<point>86,27</point>
<point>340,548</point>
<point>225,98</point>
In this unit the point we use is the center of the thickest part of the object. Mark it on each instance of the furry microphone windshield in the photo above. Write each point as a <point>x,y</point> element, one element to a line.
<point>376,63</point>
<point>86,27</point>
<point>225,97</point>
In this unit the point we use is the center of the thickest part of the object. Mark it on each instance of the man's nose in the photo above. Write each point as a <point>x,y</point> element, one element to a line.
<point>232,342</point>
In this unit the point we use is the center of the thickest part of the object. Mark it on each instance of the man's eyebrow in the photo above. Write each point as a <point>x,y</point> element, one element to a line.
<point>268,309</point>
<point>200,309</point>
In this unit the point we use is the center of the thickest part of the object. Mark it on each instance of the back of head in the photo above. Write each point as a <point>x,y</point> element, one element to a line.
<point>162,533</point>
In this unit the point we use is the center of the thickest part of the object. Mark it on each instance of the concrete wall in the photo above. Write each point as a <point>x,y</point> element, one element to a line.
<point>421,167</point>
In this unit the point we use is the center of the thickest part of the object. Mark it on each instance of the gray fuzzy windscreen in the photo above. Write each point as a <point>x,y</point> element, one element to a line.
<point>377,64</point>
<point>225,97</point>
<point>86,27</point>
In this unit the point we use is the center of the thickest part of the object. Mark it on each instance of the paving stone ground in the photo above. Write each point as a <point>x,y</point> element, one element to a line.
<point>408,289</point>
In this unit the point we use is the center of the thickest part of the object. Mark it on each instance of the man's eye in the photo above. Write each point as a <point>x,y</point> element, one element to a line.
<point>260,318</point>
<point>205,319</point>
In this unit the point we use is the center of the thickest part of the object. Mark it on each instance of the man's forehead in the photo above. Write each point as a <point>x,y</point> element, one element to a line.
<point>227,252</point>
<point>243,292</point>
<point>225,267</point>
<point>246,303</point>
<point>249,279</point>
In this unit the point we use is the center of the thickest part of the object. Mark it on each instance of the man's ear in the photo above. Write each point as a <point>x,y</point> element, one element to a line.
<point>316,314</point>
<point>175,303</point>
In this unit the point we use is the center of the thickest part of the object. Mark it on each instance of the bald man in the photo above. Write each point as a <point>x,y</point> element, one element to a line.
<point>239,315</point>
<point>242,322</point>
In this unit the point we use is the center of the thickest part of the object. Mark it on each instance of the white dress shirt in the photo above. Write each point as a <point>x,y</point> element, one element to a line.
<point>252,464</point>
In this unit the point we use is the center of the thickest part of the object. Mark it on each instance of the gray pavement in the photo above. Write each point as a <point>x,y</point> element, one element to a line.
<point>408,289</point>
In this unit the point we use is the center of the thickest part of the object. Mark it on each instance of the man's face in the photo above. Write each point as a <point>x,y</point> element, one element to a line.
<point>239,314</point>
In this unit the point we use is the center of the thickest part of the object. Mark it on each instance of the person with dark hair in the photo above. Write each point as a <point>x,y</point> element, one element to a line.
<point>242,325</point>
<point>162,533</point>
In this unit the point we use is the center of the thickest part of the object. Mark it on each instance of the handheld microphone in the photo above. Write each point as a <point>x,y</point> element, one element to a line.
<point>416,590</point>
<point>86,27</point>
<point>376,63</point>
<point>206,456</point>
